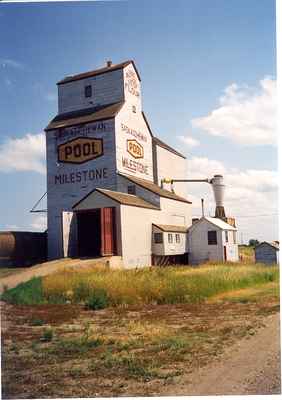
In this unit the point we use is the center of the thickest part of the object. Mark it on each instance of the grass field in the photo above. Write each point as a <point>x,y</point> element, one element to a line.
<point>101,287</point>
<point>157,325</point>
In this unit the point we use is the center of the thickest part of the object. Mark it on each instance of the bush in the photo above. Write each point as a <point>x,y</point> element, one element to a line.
<point>47,335</point>
<point>26,293</point>
<point>97,300</point>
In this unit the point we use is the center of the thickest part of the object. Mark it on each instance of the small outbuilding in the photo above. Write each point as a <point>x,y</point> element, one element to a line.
<point>212,239</point>
<point>267,253</point>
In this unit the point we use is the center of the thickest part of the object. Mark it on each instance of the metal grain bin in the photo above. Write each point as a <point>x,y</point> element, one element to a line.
<point>21,249</point>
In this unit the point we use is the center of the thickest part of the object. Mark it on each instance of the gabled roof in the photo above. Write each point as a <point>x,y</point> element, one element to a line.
<point>99,71</point>
<point>215,221</point>
<point>84,116</point>
<point>121,198</point>
<point>152,187</point>
<point>272,244</point>
<point>221,224</point>
<point>165,146</point>
<point>172,228</point>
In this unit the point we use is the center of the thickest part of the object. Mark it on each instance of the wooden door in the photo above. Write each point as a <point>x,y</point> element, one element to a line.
<point>225,254</point>
<point>108,244</point>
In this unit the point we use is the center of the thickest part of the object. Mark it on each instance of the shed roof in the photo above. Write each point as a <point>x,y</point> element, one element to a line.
<point>84,116</point>
<point>121,198</point>
<point>275,245</point>
<point>99,71</point>
<point>152,187</point>
<point>215,221</point>
<point>172,228</point>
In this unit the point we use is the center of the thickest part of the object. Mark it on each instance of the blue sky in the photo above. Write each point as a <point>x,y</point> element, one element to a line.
<point>187,52</point>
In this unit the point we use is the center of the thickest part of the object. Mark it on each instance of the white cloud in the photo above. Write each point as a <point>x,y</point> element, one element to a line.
<point>23,154</point>
<point>189,141</point>
<point>245,115</point>
<point>39,223</point>
<point>251,196</point>
<point>8,62</point>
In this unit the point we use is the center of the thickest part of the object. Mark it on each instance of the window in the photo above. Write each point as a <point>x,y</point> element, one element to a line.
<point>134,109</point>
<point>226,236</point>
<point>88,91</point>
<point>212,238</point>
<point>170,238</point>
<point>131,189</point>
<point>158,237</point>
<point>177,238</point>
<point>234,237</point>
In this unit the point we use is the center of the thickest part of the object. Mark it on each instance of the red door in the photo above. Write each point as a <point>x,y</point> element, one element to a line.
<point>108,231</point>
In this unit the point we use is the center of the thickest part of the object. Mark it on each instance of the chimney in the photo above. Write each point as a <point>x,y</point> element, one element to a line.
<point>218,191</point>
<point>109,63</point>
<point>203,213</point>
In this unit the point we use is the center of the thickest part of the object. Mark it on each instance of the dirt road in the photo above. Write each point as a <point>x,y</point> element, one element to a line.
<point>251,366</point>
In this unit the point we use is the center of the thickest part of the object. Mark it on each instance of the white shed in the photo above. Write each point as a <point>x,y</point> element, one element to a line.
<point>211,239</point>
<point>267,253</point>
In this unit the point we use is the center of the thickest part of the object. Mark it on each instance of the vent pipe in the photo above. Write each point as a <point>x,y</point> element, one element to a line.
<point>109,63</point>
<point>203,212</point>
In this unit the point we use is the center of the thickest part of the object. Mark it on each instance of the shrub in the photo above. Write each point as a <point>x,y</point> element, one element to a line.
<point>97,300</point>
<point>47,335</point>
<point>25,293</point>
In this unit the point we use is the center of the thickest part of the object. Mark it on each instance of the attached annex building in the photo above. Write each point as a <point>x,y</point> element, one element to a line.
<point>104,172</point>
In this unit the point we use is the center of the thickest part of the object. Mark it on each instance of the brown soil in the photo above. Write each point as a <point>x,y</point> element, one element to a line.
<point>140,351</point>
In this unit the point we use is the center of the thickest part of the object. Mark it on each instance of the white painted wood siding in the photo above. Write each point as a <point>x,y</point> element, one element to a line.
<point>106,89</point>
<point>68,183</point>
<point>132,126</point>
<point>170,165</point>
<point>199,249</point>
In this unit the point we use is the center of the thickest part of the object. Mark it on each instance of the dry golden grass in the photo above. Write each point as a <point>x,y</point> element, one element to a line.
<point>155,285</point>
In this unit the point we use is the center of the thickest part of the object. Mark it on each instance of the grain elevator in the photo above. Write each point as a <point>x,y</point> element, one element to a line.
<point>104,173</point>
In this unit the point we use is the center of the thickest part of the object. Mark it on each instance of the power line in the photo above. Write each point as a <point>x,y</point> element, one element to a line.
<point>256,216</point>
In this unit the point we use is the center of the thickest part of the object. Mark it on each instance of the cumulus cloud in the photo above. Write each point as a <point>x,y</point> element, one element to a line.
<point>251,196</point>
<point>39,223</point>
<point>245,115</point>
<point>23,154</point>
<point>189,141</point>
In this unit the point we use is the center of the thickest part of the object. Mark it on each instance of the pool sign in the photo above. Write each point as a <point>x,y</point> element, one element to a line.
<point>135,149</point>
<point>80,150</point>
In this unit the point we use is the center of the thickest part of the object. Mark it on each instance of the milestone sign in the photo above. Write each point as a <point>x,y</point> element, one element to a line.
<point>80,150</point>
<point>135,149</point>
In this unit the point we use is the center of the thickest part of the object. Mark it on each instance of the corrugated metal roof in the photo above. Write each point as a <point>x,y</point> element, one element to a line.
<point>218,222</point>
<point>122,198</point>
<point>165,146</point>
<point>85,116</point>
<point>152,187</point>
<point>172,228</point>
<point>98,71</point>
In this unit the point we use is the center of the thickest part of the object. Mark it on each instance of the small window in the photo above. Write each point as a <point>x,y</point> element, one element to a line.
<point>88,91</point>
<point>177,238</point>
<point>158,237</point>
<point>234,237</point>
<point>131,189</point>
<point>226,236</point>
<point>134,109</point>
<point>212,237</point>
<point>170,238</point>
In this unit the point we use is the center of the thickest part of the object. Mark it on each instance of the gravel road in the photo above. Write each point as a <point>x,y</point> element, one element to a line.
<point>251,366</point>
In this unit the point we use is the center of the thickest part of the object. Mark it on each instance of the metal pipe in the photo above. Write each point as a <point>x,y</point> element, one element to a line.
<point>203,213</point>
